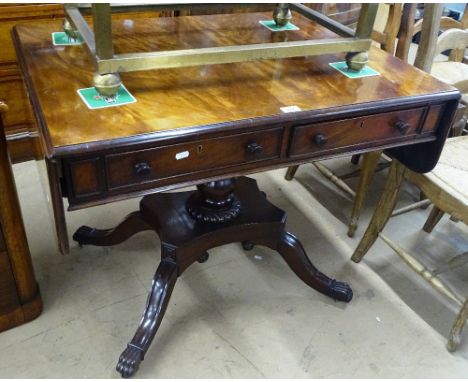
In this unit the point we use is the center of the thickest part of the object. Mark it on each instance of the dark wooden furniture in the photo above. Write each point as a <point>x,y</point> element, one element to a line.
<point>447,188</point>
<point>21,129</point>
<point>20,125</point>
<point>400,19</point>
<point>209,125</point>
<point>20,300</point>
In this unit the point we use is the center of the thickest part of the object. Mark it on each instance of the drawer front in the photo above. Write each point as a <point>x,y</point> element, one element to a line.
<point>86,177</point>
<point>331,136</point>
<point>433,117</point>
<point>168,161</point>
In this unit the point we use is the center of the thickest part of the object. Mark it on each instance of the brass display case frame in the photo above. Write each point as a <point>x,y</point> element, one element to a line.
<point>100,45</point>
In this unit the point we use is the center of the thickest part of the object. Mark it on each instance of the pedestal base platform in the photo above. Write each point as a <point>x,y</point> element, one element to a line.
<point>185,240</point>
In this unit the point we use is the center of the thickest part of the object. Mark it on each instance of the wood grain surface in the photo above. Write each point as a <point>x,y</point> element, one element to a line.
<point>202,95</point>
<point>20,300</point>
<point>21,129</point>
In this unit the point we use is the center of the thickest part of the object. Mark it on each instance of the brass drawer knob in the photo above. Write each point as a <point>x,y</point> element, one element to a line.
<point>320,139</point>
<point>142,168</point>
<point>254,148</point>
<point>402,126</point>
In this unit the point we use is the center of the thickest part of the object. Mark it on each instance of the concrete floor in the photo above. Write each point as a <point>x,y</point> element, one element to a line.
<point>242,315</point>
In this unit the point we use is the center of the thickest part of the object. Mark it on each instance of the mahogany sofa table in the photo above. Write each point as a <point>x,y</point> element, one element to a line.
<point>209,126</point>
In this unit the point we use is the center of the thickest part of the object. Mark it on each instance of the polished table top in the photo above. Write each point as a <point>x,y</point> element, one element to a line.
<point>228,118</point>
<point>202,95</point>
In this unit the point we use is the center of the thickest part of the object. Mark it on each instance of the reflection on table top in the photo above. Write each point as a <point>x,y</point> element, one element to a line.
<point>202,95</point>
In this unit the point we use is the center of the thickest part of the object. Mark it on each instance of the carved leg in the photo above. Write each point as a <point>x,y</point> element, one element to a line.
<point>369,164</point>
<point>454,338</point>
<point>131,225</point>
<point>291,172</point>
<point>434,217</point>
<point>161,289</point>
<point>382,211</point>
<point>293,253</point>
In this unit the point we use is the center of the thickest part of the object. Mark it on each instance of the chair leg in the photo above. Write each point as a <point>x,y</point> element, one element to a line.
<point>291,172</point>
<point>382,211</point>
<point>460,120</point>
<point>434,217</point>
<point>454,337</point>
<point>327,173</point>
<point>369,164</point>
<point>422,196</point>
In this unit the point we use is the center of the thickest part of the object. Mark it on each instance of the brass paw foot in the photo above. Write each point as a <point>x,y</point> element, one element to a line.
<point>129,361</point>
<point>203,258</point>
<point>340,291</point>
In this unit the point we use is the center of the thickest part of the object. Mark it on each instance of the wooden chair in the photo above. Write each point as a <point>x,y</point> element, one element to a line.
<point>451,39</point>
<point>430,46</point>
<point>447,188</point>
<point>344,13</point>
<point>399,23</point>
<point>386,38</point>
<point>452,72</point>
<point>444,24</point>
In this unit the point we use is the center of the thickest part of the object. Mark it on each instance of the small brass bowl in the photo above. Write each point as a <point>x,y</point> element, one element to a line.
<point>107,84</point>
<point>282,15</point>
<point>357,61</point>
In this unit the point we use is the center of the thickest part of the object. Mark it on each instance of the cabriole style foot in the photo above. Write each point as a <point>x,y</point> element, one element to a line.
<point>129,361</point>
<point>247,245</point>
<point>203,258</point>
<point>293,253</point>
<point>131,225</point>
<point>158,298</point>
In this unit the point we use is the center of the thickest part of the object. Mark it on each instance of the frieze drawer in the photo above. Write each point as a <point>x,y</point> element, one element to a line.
<point>168,161</point>
<point>379,128</point>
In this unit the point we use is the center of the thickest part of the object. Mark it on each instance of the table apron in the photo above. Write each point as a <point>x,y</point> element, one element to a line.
<point>107,176</point>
